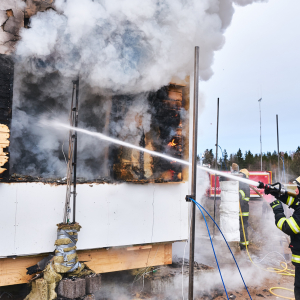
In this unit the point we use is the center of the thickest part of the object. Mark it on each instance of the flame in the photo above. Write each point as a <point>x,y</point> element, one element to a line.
<point>172,144</point>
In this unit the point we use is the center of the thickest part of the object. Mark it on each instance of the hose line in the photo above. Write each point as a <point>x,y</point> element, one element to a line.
<point>212,245</point>
<point>200,206</point>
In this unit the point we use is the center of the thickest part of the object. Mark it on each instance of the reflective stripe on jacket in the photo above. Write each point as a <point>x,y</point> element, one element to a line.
<point>291,226</point>
<point>291,223</point>
<point>244,214</point>
<point>243,243</point>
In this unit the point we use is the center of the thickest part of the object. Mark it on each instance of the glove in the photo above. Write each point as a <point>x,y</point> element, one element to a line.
<point>273,192</point>
<point>277,207</point>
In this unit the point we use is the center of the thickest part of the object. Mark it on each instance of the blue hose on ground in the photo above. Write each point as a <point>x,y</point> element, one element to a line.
<point>200,206</point>
<point>212,245</point>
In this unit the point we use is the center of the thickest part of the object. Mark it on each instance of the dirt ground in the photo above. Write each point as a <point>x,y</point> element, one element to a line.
<point>257,291</point>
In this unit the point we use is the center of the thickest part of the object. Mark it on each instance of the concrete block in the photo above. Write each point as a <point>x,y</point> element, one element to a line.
<point>93,283</point>
<point>71,289</point>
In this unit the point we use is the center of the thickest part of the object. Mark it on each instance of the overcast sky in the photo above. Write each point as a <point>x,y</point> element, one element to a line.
<point>260,59</point>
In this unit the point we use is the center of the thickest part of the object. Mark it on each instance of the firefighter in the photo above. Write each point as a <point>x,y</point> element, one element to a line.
<point>290,226</point>
<point>234,168</point>
<point>244,194</point>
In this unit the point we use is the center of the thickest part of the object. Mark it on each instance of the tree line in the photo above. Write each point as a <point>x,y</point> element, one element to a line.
<point>289,162</point>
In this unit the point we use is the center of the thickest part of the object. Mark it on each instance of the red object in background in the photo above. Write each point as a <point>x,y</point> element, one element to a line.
<point>265,177</point>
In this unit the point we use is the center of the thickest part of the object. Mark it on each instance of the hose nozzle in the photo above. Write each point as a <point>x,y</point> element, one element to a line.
<point>261,185</point>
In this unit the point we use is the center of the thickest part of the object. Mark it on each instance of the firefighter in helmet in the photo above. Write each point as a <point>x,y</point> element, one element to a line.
<point>290,226</point>
<point>244,193</point>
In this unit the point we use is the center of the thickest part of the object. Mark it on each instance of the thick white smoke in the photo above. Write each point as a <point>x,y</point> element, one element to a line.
<point>128,46</point>
<point>116,47</point>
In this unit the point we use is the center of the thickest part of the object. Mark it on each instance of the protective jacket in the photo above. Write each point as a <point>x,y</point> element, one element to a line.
<point>244,192</point>
<point>291,226</point>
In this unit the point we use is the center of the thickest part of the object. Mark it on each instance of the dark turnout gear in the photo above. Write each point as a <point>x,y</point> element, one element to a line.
<point>290,226</point>
<point>297,292</point>
<point>297,283</point>
<point>277,206</point>
<point>244,192</point>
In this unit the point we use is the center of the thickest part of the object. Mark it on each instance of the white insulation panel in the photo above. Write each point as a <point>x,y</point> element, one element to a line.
<point>110,215</point>
<point>229,210</point>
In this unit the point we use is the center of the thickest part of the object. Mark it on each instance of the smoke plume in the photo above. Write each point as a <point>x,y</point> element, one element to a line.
<point>116,48</point>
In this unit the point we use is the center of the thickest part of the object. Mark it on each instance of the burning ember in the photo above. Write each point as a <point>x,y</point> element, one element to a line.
<point>172,144</point>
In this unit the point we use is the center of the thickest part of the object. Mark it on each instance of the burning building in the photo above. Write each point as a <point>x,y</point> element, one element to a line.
<point>130,204</point>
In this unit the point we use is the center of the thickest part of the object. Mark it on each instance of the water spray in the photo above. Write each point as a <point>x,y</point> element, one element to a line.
<point>101,136</point>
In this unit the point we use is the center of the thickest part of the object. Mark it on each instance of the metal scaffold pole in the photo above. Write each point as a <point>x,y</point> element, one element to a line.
<point>194,174</point>
<point>72,156</point>
<point>75,149</point>
<point>216,165</point>
<point>278,178</point>
<point>260,133</point>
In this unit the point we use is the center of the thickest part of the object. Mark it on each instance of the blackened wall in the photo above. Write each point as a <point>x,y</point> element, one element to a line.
<point>6,94</point>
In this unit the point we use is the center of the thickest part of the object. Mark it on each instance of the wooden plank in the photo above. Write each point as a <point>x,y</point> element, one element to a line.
<point>13,270</point>
<point>139,248</point>
<point>4,144</point>
<point>175,94</point>
<point>4,128</point>
<point>3,160</point>
<point>4,136</point>
<point>117,259</point>
<point>168,254</point>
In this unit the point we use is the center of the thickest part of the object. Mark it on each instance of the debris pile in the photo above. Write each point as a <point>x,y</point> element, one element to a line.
<point>63,268</point>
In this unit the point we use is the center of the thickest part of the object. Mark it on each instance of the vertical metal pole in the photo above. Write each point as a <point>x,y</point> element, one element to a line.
<point>75,109</point>
<point>216,165</point>
<point>278,179</point>
<point>194,174</point>
<point>260,134</point>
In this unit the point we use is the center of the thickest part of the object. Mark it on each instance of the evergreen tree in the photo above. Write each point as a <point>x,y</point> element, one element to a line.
<point>249,160</point>
<point>208,157</point>
<point>252,162</point>
<point>295,164</point>
<point>239,158</point>
<point>225,158</point>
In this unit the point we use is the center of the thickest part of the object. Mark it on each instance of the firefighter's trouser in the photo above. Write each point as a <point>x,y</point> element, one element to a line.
<point>297,283</point>
<point>243,243</point>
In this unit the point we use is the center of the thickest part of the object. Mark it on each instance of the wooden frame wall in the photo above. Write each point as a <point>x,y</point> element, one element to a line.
<point>13,270</point>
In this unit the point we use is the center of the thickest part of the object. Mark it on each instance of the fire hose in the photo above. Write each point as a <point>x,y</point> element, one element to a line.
<point>200,208</point>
